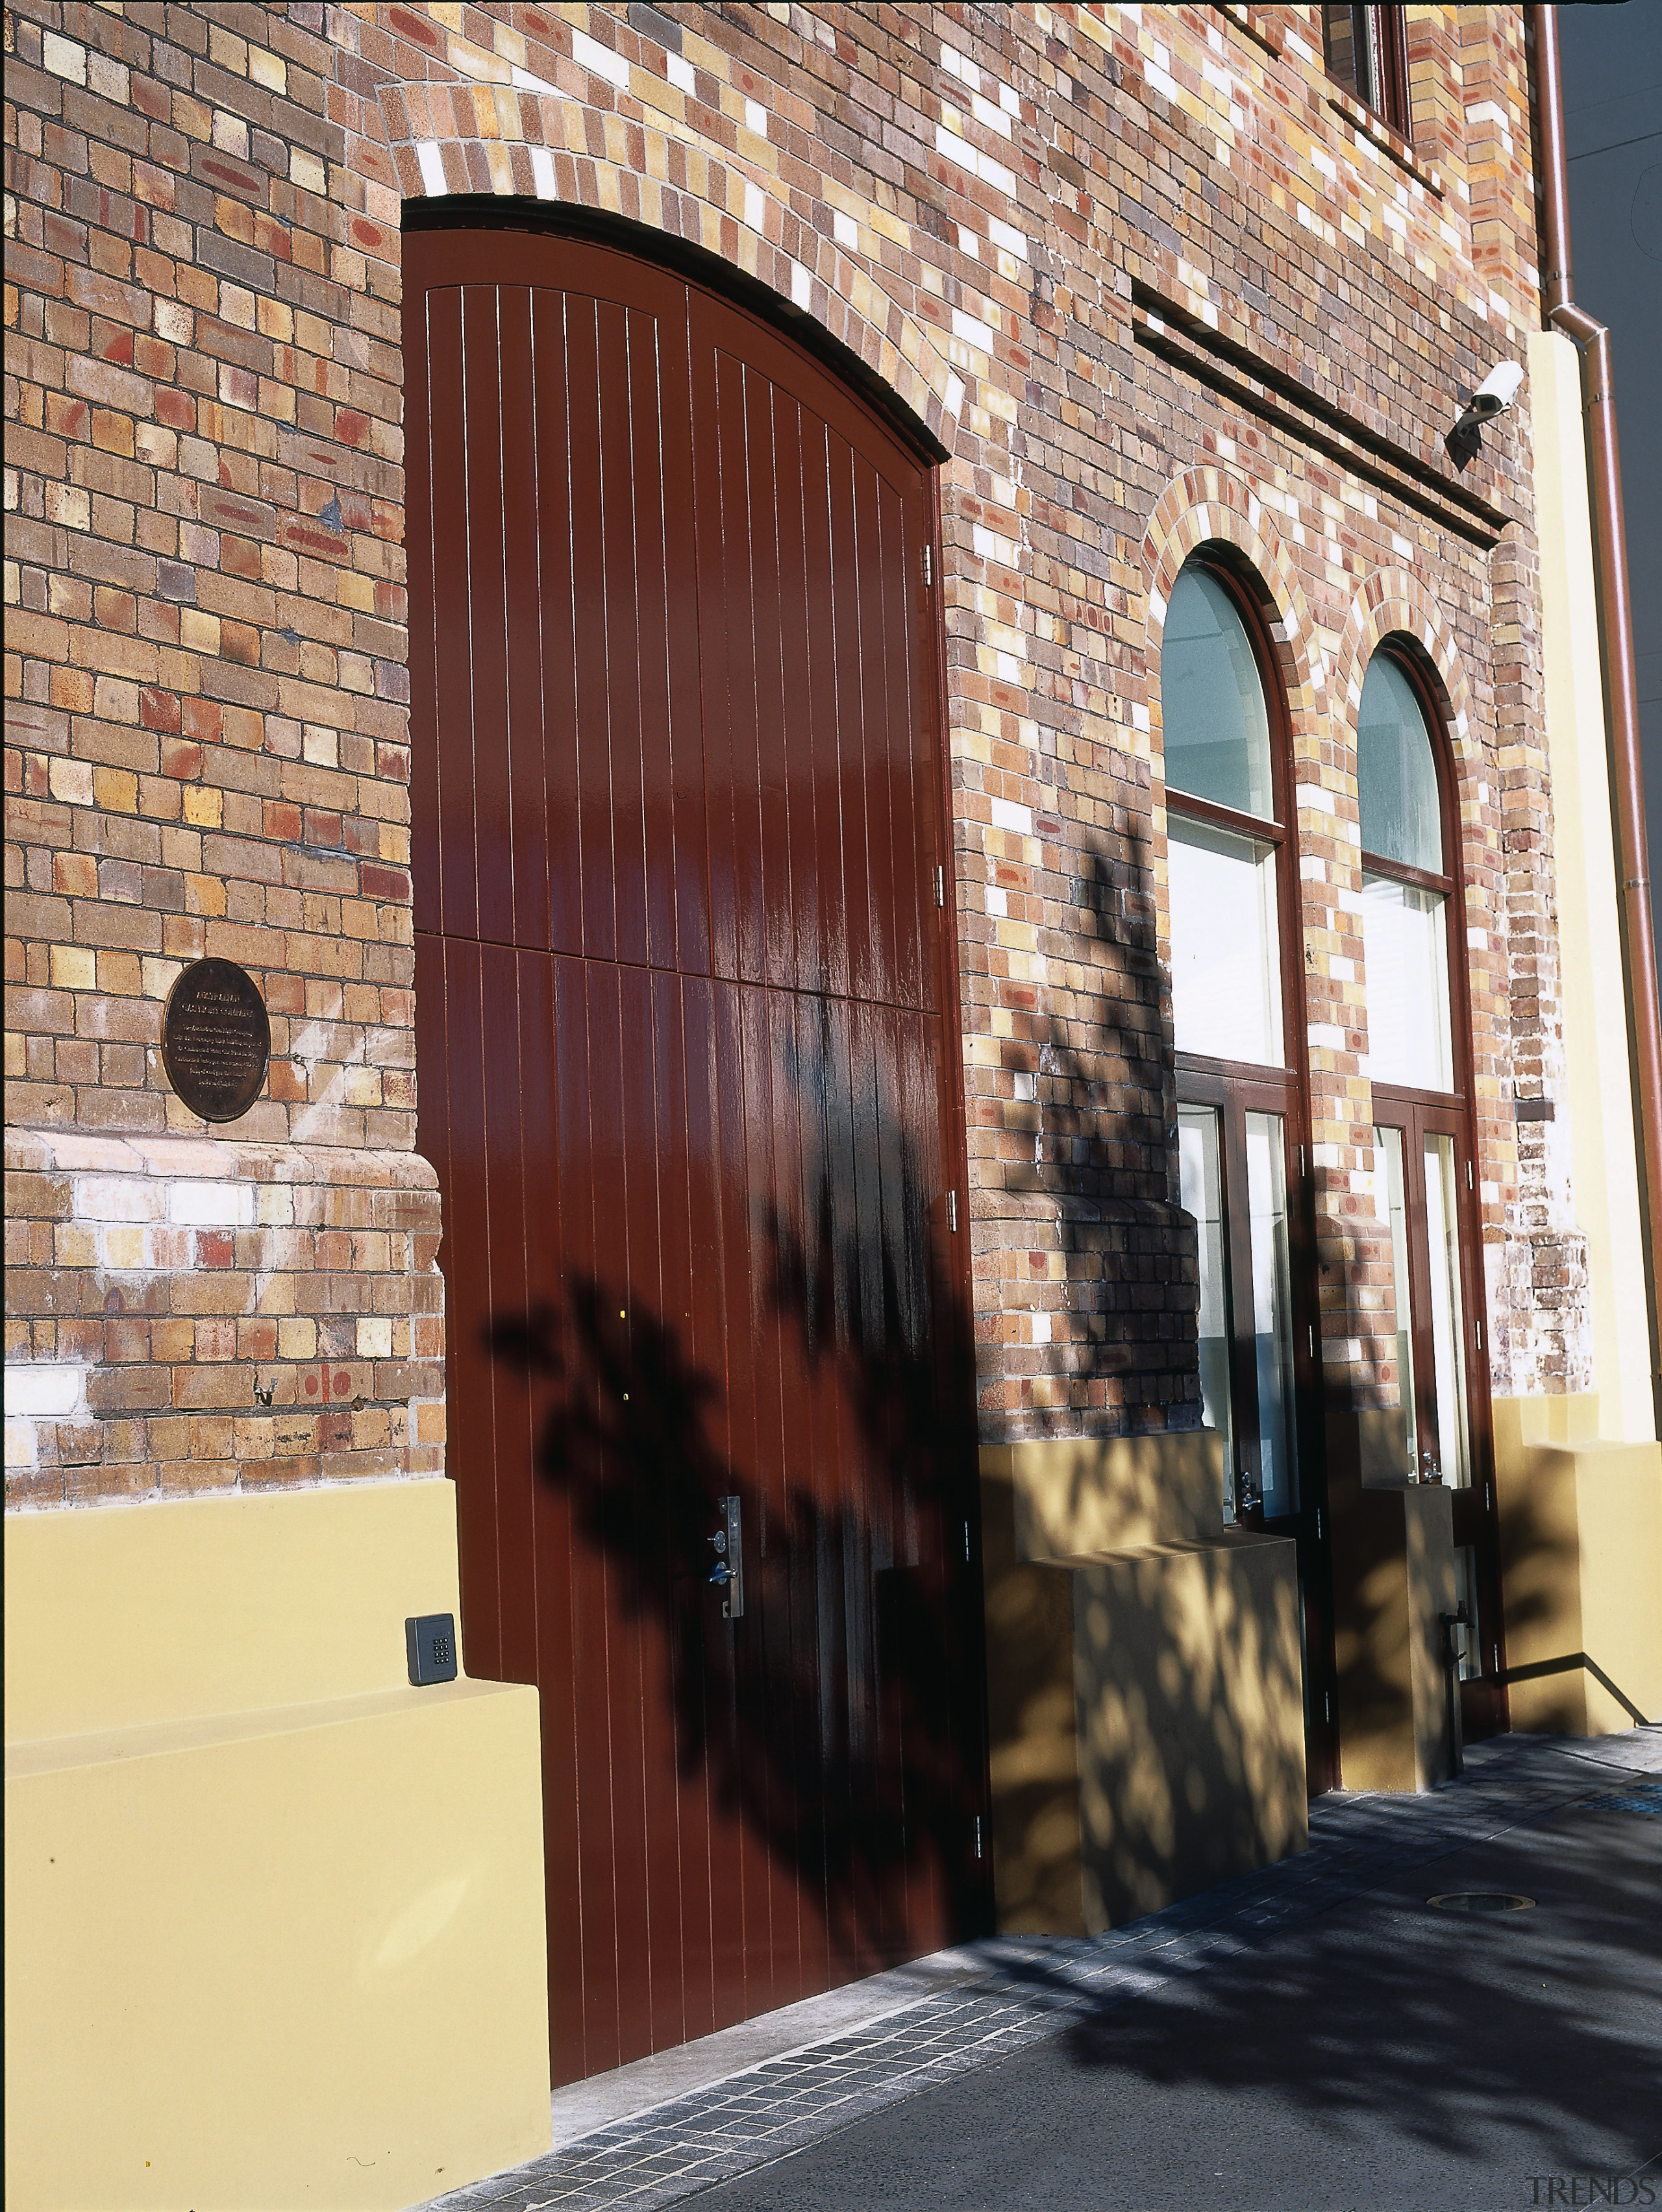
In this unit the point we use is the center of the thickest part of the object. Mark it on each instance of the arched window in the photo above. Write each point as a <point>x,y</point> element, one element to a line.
<point>1405,885</point>
<point>1226,960</point>
<point>1234,1002</point>
<point>1417,1056</point>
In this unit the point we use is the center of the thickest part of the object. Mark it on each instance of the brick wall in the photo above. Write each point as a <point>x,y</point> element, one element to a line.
<point>205,741</point>
<point>205,752</point>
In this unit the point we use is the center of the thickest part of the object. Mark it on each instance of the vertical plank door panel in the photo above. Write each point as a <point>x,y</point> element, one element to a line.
<point>470,1376</point>
<point>523,596</point>
<point>512,1443</point>
<point>821,703</point>
<point>591,644</point>
<point>626,1271</point>
<point>449,786</point>
<point>624,360</point>
<point>549,440</point>
<point>550,1544</point>
<point>802,968</point>
<point>426,875</point>
<point>881,743</point>
<point>702,1355</point>
<point>681,1009</point>
<point>485,462</point>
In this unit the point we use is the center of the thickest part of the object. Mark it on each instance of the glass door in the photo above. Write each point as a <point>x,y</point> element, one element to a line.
<point>1426,1168</point>
<point>1236,1023</point>
<point>1233,1172</point>
<point>1241,1176</point>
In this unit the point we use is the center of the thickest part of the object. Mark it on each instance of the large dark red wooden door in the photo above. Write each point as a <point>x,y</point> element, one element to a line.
<point>683,1070</point>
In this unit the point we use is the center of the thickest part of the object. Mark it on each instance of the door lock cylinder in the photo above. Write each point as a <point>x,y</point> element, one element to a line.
<point>728,1573</point>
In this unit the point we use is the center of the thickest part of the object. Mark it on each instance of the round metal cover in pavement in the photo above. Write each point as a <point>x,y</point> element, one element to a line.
<point>1481,1900</point>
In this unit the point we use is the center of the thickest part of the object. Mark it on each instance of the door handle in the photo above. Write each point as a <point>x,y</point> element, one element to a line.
<point>728,1573</point>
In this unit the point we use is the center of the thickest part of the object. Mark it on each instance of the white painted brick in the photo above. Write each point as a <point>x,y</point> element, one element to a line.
<point>116,1198</point>
<point>63,57</point>
<point>599,60</point>
<point>47,1389</point>
<point>972,330</point>
<point>210,1205</point>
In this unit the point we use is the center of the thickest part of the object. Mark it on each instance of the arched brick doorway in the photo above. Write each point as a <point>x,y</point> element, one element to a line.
<point>686,1057</point>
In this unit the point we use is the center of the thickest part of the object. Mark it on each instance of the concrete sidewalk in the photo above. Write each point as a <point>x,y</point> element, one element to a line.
<point>1313,2035</point>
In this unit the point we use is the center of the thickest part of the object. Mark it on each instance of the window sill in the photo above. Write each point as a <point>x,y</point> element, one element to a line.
<point>1389,142</point>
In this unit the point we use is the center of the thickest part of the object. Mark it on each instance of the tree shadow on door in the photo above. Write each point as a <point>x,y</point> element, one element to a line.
<point>839,1721</point>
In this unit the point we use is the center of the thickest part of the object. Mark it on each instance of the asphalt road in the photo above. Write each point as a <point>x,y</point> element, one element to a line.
<point>1384,2056</point>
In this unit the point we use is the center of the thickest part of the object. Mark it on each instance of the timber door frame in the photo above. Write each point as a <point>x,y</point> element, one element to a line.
<point>1418,1113</point>
<point>1234,1089</point>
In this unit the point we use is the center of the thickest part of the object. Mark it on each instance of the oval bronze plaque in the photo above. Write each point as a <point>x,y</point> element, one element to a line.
<point>216,1039</point>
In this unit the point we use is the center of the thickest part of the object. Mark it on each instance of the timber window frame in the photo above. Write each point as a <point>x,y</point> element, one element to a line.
<point>1430,1194</point>
<point>1266,1343</point>
<point>1365,50</point>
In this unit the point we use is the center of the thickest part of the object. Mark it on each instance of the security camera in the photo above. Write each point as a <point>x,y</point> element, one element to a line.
<point>1493,396</point>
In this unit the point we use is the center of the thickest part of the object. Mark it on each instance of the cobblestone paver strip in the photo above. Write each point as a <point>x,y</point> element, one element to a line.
<point>1032,1987</point>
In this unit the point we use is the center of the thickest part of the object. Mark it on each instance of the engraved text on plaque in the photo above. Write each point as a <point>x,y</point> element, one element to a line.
<point>216,1039</point>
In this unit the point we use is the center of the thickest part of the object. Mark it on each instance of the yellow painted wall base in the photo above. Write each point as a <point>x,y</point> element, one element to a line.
<point>274,1919</point>
<point>1145,1684</point>
<point>1393,1577</point>
<point>1581,1565</point>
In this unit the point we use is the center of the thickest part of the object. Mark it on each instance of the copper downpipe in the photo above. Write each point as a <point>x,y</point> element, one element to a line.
<point>1621,682</point>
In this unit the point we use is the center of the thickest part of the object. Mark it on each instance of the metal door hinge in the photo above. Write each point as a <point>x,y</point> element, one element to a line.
<point>1327,1705</point>
<point>977,1835</point>
<point>940,887</point>
<point>1480,1332</point>
<point>929,576</point>
<point>966,1543</point>
<point>1469,1184</point>
<point>951,1210</point>
<point>1318,1524</point>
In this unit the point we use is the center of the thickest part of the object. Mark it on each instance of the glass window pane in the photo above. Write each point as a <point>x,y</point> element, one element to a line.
<point>1217,733</point>
<point>1447,1325</point>
<point>1397,772</point>
<point>1272,1309</point>
<point>1390,1142</point>
<point>1202,1196</point>
<point>1405,946</point>
<point>1226,949</point>
<point>1349,50</point>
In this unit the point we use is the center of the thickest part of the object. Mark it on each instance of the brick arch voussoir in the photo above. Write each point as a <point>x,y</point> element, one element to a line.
<point>1212,506</point>
<point>445,140</point>
<point>1392,602</point>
